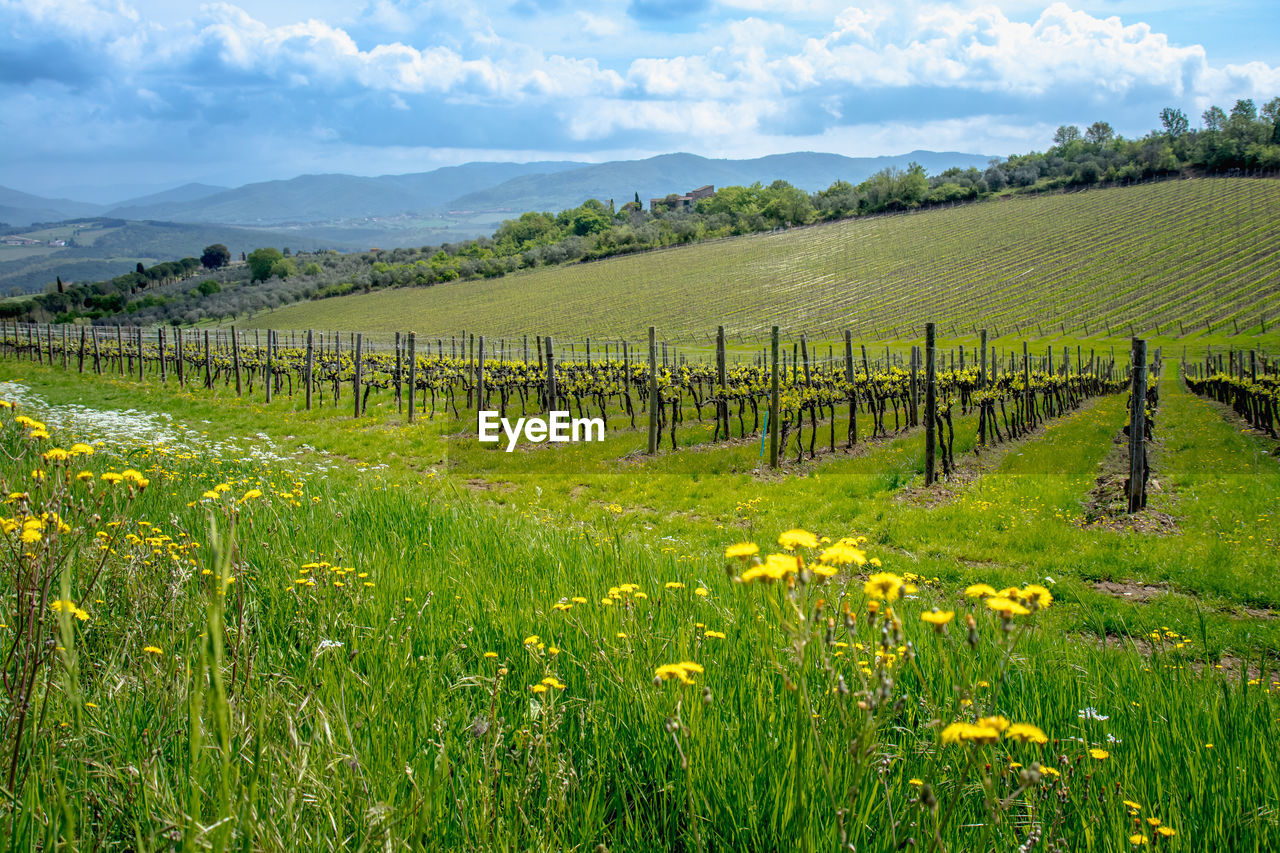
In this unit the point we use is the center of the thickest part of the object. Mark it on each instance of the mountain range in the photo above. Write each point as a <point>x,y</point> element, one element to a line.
<point>473,188</point>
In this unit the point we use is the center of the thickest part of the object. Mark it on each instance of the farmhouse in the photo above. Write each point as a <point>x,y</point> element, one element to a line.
<point>682,202</point>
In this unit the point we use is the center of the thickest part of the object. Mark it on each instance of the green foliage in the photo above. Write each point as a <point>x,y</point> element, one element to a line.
<point>261,263</point>
<point>215,256</point>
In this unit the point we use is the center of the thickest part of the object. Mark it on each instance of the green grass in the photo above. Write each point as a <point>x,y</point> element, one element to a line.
<point>406,735</point>
<point>1101,258</point>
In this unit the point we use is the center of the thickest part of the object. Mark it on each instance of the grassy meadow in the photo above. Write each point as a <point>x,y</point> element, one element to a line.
<point>241,625</point>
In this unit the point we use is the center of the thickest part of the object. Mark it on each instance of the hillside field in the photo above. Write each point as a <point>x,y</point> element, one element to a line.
<point>1172,255</point>
<point>264,597</point>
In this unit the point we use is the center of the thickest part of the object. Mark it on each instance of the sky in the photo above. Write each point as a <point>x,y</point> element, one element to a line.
<point>102,100</point>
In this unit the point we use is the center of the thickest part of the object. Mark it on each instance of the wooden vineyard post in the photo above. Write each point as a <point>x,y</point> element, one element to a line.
<point>97,353</point>
<point>722,407</point>
<point>1137,428</point>
<point>119,349</point>
<point>355,375</point>
<point>654,404</point>
<point>480,390</point>
<point>1026,389</point>
<point>164,363</point>
<point>308,368</point>
<point>551,375</point>
<point>208,363</point>
<point>773,401</point>
<point>399,372</point>
<point>930,404</point>
<point>915,386</point>
<point>982,386</point>
<point>82,337</point>
<point>853,387</point>
<point>139,337</point>
<point>177,356</point>
<point>266,374</point>
<point>413,367</point>
<point>235,362</point>
<point>65,355</point>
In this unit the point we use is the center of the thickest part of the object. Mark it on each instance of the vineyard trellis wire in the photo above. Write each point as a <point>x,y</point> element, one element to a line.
<point>1010,393</point>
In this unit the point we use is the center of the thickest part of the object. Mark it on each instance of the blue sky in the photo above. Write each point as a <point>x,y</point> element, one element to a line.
<point>101,99</point>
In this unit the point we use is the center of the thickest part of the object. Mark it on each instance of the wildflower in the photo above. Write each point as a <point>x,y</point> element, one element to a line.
<point>531,640</point>
<point>884,585</point>
<point>1006,607</point>
<point>742,549</point>
<point>56,454</point>
<point>677,671</point>
<point>1026,733</point>
<point>674,585</point>
<point>701,591</point>
<point>714,634</point>
<point>1137,840</point>
<point>1037,594</point>
<point>81,449</point>
<point>916,782</point>
<point>1091,714</point>
<point>938,618</point>
<point>844,553</point>
<point>538,688</point>
<point>490,655</point>
<point>1050,771</point>
<point>796,538</point>
<point>775,567</point>
<point>979,590</point>
<point>1132,806</point>
<point>969,733</point>
<point>1166,831</point>
<point>551,681</point>
<point>251,494</point>
<point>998,723</point>
<point>153,650</point>
<point>211,495</point>
<point>1099,754</point>
<point>577,599</point>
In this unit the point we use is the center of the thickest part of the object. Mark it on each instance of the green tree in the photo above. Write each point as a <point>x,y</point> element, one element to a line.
<point>215,256</point>
<point>1065,135</point>
<point>260,263</point>
<point>1099,133</point>
<point>1214,118</point>
<point>283,268</point>
<point>1174,121</point>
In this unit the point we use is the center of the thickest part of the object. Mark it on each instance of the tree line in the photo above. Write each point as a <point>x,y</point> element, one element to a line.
<point>1243,138</point>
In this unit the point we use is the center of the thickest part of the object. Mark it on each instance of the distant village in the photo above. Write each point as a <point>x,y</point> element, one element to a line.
<point>13,240</point>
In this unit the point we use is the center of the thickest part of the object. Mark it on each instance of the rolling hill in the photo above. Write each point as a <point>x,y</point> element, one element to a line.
<point>1186,251</point>
<point>679,173</point>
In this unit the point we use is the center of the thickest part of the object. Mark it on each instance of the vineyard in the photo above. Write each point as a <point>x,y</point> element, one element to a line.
<point>266,589</point>
<point>1111,262</point>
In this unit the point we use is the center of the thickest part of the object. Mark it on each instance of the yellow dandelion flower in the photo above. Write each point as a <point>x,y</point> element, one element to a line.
<point>938,618</point>
<point>1099,754</point>
<point>741,549</point>
<point>1026,733</point>
<point>797,538</point>
<point>885,585</point>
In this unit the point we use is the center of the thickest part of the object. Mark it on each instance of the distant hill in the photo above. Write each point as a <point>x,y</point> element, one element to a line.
<point>324,198</point>
<point>104,248</point>
<point>19,208</point>
<point>134,208</point>
<point>679,173</point>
